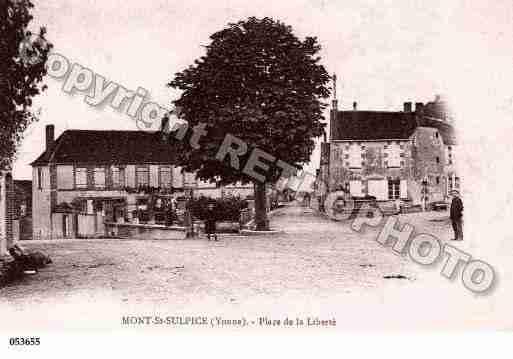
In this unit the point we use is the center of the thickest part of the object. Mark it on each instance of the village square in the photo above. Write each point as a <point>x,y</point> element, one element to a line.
<point>255,186</point>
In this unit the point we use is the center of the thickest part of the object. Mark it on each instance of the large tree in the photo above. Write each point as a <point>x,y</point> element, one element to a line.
<point>22,68</point>
<point>259,83</point>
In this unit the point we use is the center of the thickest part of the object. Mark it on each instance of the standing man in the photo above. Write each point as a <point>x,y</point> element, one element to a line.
<point>210,222</point>
<point>457,215</point>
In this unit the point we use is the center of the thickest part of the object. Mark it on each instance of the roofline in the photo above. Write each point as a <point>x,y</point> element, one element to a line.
<point>436,119</point>
<point>374,140</point>
<point>105,163</point>
<point>378,111</point>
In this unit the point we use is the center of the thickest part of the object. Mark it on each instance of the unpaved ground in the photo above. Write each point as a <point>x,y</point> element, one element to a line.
<point>316,267</point>
<point>314,255</point>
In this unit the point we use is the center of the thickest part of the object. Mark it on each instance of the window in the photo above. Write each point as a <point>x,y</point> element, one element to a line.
<point>355,157</point>
<point>437,180</point>
<point>81,177</point>
<point>394,189</point>
<point>142,176</point>
<point>449,155</point>
<point>393,155</point>
<point>65,177</point>
<point>118,177</point>
<point>39,178</point>
<point>99,177</point>
<point>165,177</point>
<point>437,159</point>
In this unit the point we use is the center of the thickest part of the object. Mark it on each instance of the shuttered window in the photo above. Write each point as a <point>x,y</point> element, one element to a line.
<point>81,177</point>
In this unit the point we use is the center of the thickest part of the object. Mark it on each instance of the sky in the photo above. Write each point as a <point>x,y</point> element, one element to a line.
<point>383,52</point>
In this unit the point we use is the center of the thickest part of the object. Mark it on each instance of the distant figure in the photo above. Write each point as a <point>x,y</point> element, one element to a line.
<point>457,215</point>
<point>306,199</point>
<point>210,222</point>
<point>170,213</point>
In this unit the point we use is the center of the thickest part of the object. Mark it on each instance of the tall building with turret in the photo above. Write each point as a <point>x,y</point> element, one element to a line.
<point>406,155</point>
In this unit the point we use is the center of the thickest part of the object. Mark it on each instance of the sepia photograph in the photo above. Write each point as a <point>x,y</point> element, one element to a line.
<point>213,167</point>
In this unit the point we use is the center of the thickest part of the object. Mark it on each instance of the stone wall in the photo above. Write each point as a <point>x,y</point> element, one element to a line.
<point>374,156</point>
<point>422,157</point>
<point>429,162</point>
<point>41,205</point>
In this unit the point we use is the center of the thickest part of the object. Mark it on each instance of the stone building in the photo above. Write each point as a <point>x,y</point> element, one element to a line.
<point>403,155</point>
<point>85,178</point>
<point>7,212</point>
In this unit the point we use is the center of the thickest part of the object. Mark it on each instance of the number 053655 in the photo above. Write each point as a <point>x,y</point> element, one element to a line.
<point>24,341</point>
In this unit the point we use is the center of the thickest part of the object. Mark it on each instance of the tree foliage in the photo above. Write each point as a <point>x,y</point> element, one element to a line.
<point>225,209</point>
<point>260,83</point>
<point>22,58</point>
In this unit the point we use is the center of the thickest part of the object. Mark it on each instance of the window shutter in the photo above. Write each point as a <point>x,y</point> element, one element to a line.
<point>403,191</point>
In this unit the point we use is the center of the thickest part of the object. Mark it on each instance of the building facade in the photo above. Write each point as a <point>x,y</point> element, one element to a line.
<point>405,156</point>
<point>86,178</point>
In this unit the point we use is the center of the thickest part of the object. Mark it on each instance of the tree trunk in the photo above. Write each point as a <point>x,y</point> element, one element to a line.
<point>261,221</point>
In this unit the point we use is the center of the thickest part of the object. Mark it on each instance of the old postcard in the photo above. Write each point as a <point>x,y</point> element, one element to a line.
<point>297,167</point>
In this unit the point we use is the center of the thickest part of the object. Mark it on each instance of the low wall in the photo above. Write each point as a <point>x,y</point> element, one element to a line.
<point>144,231</point>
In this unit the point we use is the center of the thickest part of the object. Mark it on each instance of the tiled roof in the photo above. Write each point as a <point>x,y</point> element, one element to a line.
<point>105,147</point>
<point>380,125</point>
<point>373,125</point>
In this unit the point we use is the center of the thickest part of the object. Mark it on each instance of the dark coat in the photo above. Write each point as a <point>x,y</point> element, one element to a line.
<point>456,208</point>
<point>210,222</point>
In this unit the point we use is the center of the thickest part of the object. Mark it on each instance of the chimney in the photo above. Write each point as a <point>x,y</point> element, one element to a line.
<point>407,107</point>
<point>419,107</point>
<point>50,130</point>
<point>355,106</point>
